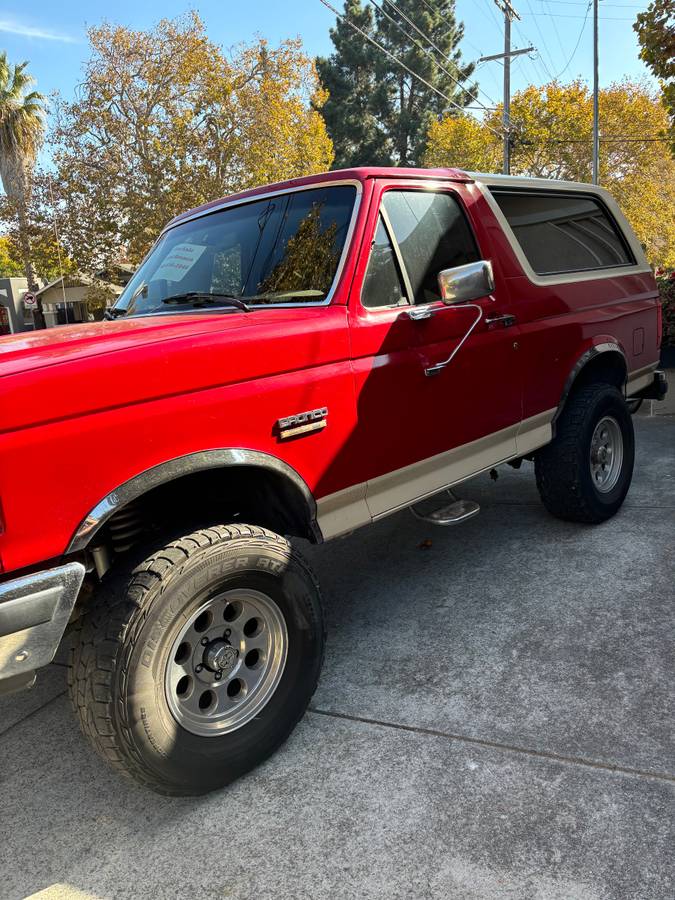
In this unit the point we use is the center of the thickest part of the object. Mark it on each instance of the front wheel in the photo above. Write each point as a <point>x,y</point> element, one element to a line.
<point>195,665</point>
<point>584,474</point>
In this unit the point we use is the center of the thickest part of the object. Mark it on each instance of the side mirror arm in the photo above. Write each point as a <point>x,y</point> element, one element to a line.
<point>438,367</point>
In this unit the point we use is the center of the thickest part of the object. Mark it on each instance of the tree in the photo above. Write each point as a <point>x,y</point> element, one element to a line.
<point>164,121</point>
<point>48,259</point>
<point>10,267</point>
<point>553,139</point>
<point>21,132</point>
<point>377,112</point>
<point>349,78</point>
<point>656,33</point>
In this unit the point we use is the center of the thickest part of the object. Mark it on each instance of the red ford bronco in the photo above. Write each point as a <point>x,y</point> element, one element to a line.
<point>297,361</point>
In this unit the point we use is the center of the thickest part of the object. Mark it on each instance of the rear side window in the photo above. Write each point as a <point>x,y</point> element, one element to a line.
<point>432,235</point>
<point>563,232</point>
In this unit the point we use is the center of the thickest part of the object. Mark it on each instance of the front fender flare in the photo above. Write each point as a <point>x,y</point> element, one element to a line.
<point>186,465</point>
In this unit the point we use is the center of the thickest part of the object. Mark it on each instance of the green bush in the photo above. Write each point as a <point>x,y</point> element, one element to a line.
<point>666,285</point>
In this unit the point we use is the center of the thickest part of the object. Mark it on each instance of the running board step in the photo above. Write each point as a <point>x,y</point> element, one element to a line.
<point>451,513</point>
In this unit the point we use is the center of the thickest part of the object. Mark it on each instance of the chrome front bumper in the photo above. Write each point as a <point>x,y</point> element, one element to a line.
<point>34,612</point>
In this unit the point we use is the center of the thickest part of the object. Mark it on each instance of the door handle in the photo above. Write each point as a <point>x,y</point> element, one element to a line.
<point>416,313</point>
<point>506,321</point>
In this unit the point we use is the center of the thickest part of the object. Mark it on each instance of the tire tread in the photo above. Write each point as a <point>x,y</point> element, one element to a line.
<point>106,635</point>
<point>558,464</point>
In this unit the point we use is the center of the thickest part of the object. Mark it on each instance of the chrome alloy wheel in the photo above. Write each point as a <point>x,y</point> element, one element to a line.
<point>606,456</point>
<point>226,662</point>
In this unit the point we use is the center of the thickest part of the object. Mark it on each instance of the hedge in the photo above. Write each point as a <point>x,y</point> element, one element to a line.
<point>666,285</point>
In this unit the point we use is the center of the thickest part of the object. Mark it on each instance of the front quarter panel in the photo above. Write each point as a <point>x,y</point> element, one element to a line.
<point>73,431</point>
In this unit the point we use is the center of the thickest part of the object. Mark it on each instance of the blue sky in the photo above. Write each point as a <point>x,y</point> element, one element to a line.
<point>52,35</point>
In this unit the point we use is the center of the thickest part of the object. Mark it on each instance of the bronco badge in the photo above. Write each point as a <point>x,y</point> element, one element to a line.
<point>303,423</point>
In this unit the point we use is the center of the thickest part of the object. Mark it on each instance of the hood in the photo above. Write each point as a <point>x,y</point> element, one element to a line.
<point>81,370</point>
<point>36,349</point>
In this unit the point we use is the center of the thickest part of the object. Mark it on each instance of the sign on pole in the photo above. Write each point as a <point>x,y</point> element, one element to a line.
<point>30,300</point>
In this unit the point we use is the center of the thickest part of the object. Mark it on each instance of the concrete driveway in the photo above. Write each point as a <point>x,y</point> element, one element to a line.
<point>496,719</point>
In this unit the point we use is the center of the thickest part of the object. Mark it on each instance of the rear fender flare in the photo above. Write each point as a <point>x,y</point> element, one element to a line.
<point>593,352</point>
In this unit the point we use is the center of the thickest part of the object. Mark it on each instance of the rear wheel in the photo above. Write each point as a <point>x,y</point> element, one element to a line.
<point>195,665</point>
<point>584,474</point>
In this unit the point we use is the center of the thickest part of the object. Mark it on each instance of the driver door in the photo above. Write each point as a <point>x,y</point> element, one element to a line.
<point>421,432</point>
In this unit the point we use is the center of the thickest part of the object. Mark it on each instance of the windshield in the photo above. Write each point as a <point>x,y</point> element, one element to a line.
<point>272,250</point>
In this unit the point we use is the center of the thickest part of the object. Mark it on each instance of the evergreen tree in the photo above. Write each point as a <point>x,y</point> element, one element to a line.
<point>376,112</point>
<point>349,76</point>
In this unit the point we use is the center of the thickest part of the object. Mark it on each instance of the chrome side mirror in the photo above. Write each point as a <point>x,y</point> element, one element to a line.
<point>469,282</point>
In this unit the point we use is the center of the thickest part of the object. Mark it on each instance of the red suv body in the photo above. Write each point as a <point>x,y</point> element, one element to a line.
<point>289,358</point>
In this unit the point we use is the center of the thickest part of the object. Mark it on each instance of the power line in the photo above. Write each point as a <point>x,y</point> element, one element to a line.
<point>545,46</point>
<point>636,6</point>
<point>557,32</point>
<point>412,24</point>
<point>399,62</point>
<point>463,38</point>
<point>429,41</point>
<point>576,46</point>
<point>610,140</point>
<point>566,16</point>
<point>432,57</point>
<point>492,14</point>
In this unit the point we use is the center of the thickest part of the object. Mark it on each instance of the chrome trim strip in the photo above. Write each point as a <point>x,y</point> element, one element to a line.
<point>175,468</point>
<point>226,204</point>
<point>36,609</point>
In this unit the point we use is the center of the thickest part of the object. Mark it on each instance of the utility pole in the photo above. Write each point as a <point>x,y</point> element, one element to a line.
<point>509,14</point>
<point>596,111</point>
<point>506,114</point>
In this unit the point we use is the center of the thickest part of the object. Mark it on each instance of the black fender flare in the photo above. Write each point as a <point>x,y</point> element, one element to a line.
<point>186,465</point>
<point>592,353</point>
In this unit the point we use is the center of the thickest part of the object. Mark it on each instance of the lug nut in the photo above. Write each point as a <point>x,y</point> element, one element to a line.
<point>199,668</point>
<point>205,641</point>
<point>219,675</point>
<point>228,632</point>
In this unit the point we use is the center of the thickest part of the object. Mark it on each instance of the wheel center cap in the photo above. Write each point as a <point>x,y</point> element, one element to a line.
<point>219,656</point>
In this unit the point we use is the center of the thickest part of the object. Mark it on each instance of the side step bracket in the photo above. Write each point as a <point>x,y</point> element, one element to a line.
<point>451,513</point>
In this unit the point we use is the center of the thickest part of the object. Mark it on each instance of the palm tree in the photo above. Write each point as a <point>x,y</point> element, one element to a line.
<point>21,132</point>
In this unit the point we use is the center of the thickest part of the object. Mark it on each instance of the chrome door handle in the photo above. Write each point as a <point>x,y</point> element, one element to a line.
<point>417,313</point>
<point>505,321</point>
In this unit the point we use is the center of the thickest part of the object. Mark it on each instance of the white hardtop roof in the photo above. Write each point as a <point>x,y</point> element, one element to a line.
<point>493,179</point>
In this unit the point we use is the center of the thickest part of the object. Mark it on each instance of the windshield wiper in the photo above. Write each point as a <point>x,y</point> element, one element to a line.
<point>114,312</point>
<point>202,298</point>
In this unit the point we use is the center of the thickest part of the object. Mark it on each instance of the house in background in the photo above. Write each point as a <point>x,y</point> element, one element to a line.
<point>13,316</point>
<point>65,300</point>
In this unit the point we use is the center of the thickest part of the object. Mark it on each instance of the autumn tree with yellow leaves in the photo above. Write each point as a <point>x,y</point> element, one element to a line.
<point>164,120</point>
<point>553,139</point>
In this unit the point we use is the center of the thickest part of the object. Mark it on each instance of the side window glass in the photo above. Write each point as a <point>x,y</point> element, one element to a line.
<point>382,285</point>
<point>432,234</point>
<point>563,233</point>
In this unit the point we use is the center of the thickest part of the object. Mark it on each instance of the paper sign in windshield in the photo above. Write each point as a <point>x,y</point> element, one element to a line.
<point>179,262</point>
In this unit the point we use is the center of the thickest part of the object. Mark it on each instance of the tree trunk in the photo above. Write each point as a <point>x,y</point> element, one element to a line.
<point>24,240</point>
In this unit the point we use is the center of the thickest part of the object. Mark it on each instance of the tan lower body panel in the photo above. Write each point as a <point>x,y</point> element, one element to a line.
<point>346,510</point>
<point>640,378</point>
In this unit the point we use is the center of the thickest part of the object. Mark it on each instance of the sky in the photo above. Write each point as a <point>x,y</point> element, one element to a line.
<point>52,36</point>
